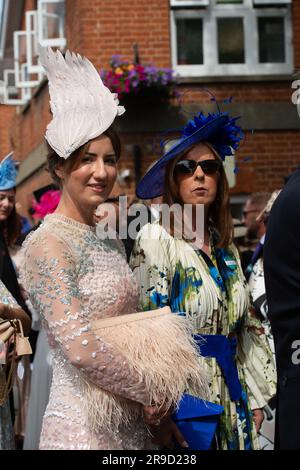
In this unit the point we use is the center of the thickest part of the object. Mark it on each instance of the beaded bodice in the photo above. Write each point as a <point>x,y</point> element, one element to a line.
<point>73,277</point>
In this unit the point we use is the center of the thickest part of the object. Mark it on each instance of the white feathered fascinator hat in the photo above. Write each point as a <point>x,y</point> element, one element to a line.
<point>82,107</point>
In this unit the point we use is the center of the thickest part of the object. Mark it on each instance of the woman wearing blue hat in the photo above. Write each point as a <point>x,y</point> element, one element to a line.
<point>205,283</point>
<point>10,227</point>
<point>10,294</point>
<point>10,221</point>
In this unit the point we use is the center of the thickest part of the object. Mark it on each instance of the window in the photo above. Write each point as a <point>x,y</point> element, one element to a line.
<point>230,34</point>
<point>11,94</point>
<point>189,3</point>
<point>32,42</point>
<point>231,37</point>
<point>189,33</point>
<point>271,40</point>
<point>272,2</point>
<point>22,76</point>
<point>45,26</point>
<point>3,22</point>
<point>51,15</point>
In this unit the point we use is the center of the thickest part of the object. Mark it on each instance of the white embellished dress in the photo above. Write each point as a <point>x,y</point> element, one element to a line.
<point>73,278</point>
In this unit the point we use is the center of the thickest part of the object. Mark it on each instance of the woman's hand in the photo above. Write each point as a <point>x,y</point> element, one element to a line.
<point>153,414</point>
<point>167,434</point>
<point>258,417</point>
<point>11,313</point>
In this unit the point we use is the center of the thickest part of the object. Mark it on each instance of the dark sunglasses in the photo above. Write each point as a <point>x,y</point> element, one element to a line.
<point>188,167</point>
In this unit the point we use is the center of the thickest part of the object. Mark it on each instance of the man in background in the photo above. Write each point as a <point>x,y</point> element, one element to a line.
<point>282,279</point>
<point>256,230</point>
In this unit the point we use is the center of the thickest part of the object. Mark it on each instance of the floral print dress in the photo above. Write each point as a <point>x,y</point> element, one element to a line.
<point>212,293</point>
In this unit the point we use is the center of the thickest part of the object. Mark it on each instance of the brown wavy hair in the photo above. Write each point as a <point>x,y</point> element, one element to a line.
<point>54,161</point>
<point>11,227</point>
<point>220,219</point>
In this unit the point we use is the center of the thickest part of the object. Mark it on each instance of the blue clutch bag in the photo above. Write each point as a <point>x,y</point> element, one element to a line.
<point>197,420</point>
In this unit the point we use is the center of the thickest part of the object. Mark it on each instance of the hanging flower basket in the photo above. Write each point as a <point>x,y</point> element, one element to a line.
<point>139,84</point>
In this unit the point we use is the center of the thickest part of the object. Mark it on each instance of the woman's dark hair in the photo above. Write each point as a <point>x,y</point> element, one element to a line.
<point>11,227</point>
<point>54,161</point>
<point>219,212</point>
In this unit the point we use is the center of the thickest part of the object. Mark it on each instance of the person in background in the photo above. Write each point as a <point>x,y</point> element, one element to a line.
<point>256,229</point>
<point>10,226</point>
<point>282,280</point>
<point>25,223</point>
<point>9,310</point>
<point>152,213</point>
<point>260,305</point>
<point>257,278</point>
<point>10,230</point>
<point>46,201</point>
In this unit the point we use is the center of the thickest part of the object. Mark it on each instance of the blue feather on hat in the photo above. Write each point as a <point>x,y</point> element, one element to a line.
<point>8,173</point>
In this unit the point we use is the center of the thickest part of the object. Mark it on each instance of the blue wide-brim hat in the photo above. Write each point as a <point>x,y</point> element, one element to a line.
<point>8,173</point>
<point>218,129</point>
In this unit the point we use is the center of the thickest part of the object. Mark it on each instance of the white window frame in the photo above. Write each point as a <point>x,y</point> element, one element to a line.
<point>8,89</point>
<point>3,27</point>
<point>272,2</point>
<point>32,42</point>
<point>211,67</point>
<point>2,92</point>
<point>28,75</point>
<point>22,75</point>
<point>42,12</point>
<point>189,3</point>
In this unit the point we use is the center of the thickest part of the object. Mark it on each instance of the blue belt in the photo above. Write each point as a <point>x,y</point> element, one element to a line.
<point>224,350</point>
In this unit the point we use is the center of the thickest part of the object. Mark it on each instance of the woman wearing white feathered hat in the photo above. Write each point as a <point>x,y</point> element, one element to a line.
<point>108,379</point>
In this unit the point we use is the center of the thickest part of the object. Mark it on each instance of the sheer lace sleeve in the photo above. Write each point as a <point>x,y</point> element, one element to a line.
<point>50,278</point>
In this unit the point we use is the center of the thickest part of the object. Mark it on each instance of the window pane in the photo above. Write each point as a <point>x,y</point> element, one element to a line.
<point>189,41</point>
<point>53,20</point>
<point>231,41</point>
<point>271,40</point>
<point>229,1</point>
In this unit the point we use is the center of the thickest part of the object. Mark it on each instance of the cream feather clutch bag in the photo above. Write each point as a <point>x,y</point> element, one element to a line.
<point>160,347</point>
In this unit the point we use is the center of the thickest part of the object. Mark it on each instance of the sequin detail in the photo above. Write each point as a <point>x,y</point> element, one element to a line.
<point>71,278</point>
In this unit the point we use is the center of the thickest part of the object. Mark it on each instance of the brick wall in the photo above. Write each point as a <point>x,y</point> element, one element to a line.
<point>6,116</point>
<point>30,124</point>
<point>105,28</point>
<point>242,92</point>
<point>273,156</point>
